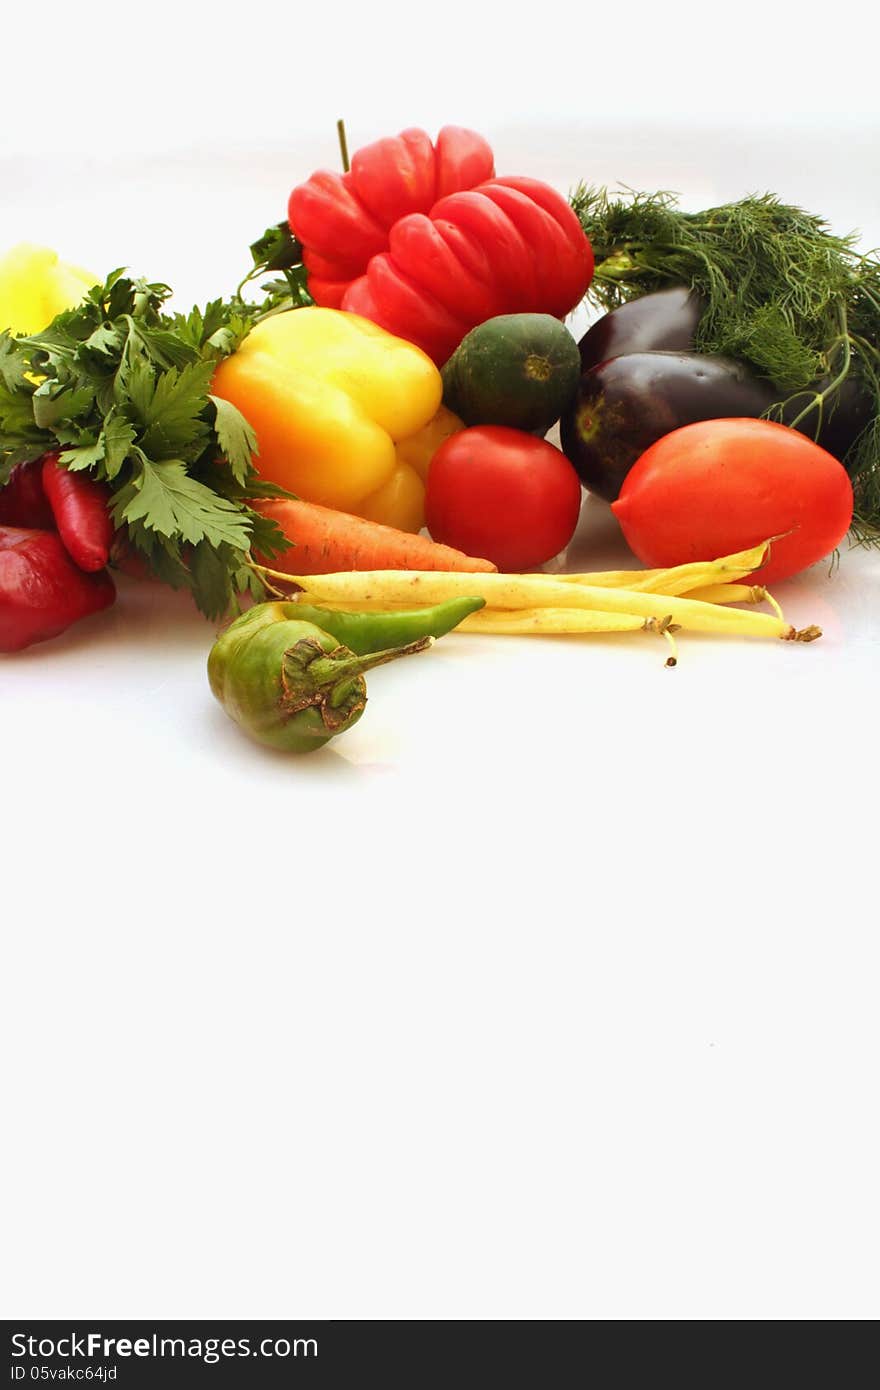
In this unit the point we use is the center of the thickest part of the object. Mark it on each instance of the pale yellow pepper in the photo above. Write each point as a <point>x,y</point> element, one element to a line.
<point>35,286</point>
<point>401,502</point>
<point>345,414</point>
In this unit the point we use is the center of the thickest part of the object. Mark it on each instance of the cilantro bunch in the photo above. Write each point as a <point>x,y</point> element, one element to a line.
<point>122,389</point>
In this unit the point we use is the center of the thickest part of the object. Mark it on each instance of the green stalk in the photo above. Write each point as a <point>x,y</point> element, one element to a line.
<point>343,146</point>
<point>342,673</point>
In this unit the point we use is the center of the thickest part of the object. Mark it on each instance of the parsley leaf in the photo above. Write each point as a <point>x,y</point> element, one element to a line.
<point>83,455</point>
<point>12,367</point>
<point>118,436</point>
<point>165,498</point>
<point>235,437</point>
<point>51,406</point>
<point>168,406</point>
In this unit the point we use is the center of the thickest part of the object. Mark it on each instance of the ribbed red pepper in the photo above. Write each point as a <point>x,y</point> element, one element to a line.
<point>426,242</point>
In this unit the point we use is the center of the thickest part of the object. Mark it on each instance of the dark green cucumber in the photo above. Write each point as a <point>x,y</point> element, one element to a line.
<point>519,370</point>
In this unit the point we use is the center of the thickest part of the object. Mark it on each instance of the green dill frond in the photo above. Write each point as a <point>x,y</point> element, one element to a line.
<point>772,276</point>
<point>767,338</point>
<point>864,466</point>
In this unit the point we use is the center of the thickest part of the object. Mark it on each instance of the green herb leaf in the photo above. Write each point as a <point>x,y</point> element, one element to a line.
<point>267,537</point>
<point>50,406</point>
<point>118,436</point>
<point>165,498</point>
<point>237,441</point>
<point>276,249</point>
<point>169,406</point>
<point>84,456</point>
<point>105,340</point>
<point>16,415</point>
<point>211,578</point>
<point>12,365</point>
<point>279,249</point>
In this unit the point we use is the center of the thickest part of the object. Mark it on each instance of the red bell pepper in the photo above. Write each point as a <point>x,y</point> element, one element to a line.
<point>23,501</point>
<point>42,592</point>
<point>44,496</point>
<point>424,240</point>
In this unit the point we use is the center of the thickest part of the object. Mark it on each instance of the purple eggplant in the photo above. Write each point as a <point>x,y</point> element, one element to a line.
<point>665,321</point>
<point>624,405</point>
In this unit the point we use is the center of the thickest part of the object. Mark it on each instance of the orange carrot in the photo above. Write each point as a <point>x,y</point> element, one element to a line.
<point>327,542</point>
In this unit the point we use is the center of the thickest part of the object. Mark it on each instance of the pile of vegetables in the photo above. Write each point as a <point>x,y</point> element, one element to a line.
<point>290,674</point>
<point>760,282</point>
<point>345,414</point>
<point>286,447</point>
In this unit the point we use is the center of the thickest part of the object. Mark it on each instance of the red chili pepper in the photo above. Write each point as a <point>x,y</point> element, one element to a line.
<point>23,501</point>
<point>425,241</point>
<point>82,516</point>
<point>42,592</point>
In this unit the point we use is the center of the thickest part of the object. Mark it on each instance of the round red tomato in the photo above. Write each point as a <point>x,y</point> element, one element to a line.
<point>502,494</point>
<point>720,486</point>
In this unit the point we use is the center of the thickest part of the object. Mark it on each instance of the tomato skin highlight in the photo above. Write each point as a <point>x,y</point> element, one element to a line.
<point>516,497</point>
<point>720,486</point>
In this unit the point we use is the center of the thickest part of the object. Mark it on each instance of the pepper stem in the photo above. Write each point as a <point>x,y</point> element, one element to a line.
<point>343,146</point>
<point>327,670</point>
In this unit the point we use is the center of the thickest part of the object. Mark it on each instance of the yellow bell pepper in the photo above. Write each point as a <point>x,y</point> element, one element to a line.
<point>401,502</point>
<point>35,286</point>
<point>345,414</point>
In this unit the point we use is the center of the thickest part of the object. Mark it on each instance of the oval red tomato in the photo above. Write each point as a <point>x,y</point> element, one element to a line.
<point>720,486</point>
<point>503,494</point>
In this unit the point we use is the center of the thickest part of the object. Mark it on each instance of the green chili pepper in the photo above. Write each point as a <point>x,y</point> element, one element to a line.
<point>368,632</point>
<point>288,683</point>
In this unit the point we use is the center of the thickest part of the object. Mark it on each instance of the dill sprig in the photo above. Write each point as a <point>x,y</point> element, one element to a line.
<point>781,291</point>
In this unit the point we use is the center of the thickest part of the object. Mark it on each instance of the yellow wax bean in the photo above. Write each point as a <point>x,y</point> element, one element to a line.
<point>523,621</point>
<point>678,579</point>
<point>525,591</point>
<point>728,593</point>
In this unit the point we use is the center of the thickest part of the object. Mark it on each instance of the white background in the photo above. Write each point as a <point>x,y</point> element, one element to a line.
<point>550,990</point>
